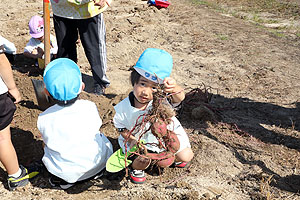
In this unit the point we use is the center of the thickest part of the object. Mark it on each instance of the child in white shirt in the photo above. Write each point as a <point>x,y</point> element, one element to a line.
<point>153,67</point>
<point>10,49</point>
<point>74,149</point>
<point>35,47</point>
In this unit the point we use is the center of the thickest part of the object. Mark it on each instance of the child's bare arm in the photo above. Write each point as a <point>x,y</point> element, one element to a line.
<point>101,3</point>
<point>36,53</point>
<point>171,87</point>
<point>7,76</point>
<point>131,140</point>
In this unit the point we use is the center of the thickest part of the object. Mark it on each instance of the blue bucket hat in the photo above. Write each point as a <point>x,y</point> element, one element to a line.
<point>153,64</point>
<point>62,79</point>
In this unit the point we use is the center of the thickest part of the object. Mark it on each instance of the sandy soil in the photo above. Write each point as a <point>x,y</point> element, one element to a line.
<point>246,139</point>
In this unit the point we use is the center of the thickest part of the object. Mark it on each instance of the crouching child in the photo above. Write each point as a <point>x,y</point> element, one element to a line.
<point>151,72</point>
<point>74,148</point>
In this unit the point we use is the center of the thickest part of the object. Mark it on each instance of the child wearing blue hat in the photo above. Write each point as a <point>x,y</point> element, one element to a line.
<point>74,148</point>
<point>153,67</point>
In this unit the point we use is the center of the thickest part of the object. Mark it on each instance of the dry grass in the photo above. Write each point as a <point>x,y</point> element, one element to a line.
<point>265,187</point>
<point>283,8</point>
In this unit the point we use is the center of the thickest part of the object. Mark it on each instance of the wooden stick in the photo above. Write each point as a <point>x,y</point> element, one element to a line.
<point>46,10</point>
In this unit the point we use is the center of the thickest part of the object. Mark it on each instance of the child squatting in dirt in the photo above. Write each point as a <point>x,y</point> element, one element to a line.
<point>152,72</point>
<point>35,46</point>
<point>74,148</point>
<point>10,49</point>
<point>18,175</point>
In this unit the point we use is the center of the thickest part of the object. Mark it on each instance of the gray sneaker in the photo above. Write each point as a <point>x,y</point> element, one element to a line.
<point>22,180</point>
<point>58,183</point>
<point>99,89</point>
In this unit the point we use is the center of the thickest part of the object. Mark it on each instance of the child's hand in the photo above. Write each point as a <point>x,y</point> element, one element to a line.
<point>132,142</point>
<point>169,85</point>
<point>40,52</point>
<point>15,94</point>
<point>101,3</point>
<point>34,52</point>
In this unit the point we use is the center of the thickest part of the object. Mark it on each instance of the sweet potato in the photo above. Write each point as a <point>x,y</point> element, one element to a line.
<point>164,159</point>
<point>172,143</point>
<point>159,128</point>
<point>141,163</point>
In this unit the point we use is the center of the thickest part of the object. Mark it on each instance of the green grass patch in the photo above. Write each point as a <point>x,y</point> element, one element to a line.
<point>271,21</point>
<point>277,33</point>
<point>277,7</point>
<point>257,19</point>
<point>222,37</point>
<point>199,2</point>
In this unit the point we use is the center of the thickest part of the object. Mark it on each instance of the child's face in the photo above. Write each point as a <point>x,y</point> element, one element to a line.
<point>142,91</point>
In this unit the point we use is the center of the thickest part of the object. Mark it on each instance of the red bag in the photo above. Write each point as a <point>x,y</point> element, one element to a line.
<point>162,3</point>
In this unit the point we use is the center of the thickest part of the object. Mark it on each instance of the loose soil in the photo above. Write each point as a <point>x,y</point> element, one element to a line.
<point>246,138</point>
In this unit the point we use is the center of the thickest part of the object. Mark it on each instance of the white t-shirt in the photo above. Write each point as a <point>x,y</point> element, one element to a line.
<point>35,43</point>
<point>74,148</point>
<point>126,116</point>
<point>9,47</point>
<point>3,87</point>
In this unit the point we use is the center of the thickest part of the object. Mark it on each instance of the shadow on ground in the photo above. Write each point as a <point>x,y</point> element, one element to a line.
<point>264,121</point>
<point>268,123</point>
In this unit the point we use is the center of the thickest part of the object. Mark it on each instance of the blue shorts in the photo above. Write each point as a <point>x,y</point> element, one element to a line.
<point>7,110</point>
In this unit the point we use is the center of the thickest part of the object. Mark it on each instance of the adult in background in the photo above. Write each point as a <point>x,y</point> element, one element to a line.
<point>86,18</point>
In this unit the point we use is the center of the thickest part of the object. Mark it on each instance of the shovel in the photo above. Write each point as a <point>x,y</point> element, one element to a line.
<point>43,100</point>
<point>46,12</point>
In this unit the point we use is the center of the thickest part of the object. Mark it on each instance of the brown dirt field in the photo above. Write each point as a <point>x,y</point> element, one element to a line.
<point>246,139</point>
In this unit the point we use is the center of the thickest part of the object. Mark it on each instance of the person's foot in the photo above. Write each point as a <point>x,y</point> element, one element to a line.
<point>99,89</point>
<point>137,176</point>
<point>181,164</point>
<point>58,183</point>
<point>20,181</point>
<point>99,175</point>
<point>35,168</point>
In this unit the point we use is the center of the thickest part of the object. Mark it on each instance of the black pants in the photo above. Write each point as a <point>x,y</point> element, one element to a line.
<point>7,110</point>
<point>92,35</point>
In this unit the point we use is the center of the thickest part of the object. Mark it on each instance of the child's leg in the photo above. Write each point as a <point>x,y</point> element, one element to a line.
<point>8,155</point>
<point>186,155</point>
